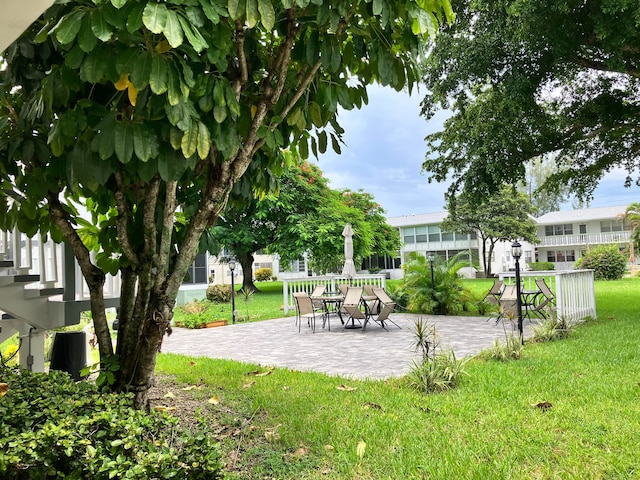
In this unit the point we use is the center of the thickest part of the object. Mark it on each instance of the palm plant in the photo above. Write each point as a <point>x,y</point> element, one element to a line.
<point>631,216</point>
<point>447,294</point>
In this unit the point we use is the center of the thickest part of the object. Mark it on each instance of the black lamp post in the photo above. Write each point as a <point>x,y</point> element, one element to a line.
<point>516,251</point>
<point>232,267</point>
<point>431,257</point>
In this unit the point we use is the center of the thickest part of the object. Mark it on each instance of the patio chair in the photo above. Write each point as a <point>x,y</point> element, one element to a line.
<point>318,291</point>
<point>373,302</point>
<point>493,296</point>
<point>508,302</point>
<point>305,309</point>
<point>343,287</point>
<point>351,306</point>
<point>542,299</point>
<point>381,317</point>
<point>387,306</point>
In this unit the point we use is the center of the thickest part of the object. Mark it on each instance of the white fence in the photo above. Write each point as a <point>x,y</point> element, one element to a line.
<point>307,284</point>
<point>574,290</point>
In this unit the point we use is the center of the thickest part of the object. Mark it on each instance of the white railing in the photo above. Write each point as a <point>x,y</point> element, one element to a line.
<point>307,284</point>
<point>585,239</point>
<point>574,290</point>
<point>31,256</point>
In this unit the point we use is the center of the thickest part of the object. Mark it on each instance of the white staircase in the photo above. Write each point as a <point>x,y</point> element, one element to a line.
<point>41,289</point>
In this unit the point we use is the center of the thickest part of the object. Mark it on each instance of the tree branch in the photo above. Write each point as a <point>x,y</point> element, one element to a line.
<point>148,218</point>
<point>168,220</point>
<point>122,220</point>
<point>238,83</point>
<point>602,66</point>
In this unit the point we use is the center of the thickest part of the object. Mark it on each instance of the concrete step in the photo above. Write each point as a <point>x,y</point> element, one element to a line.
<point>9,280</point>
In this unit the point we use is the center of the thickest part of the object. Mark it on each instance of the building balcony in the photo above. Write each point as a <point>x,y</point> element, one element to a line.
<point>585,239</point>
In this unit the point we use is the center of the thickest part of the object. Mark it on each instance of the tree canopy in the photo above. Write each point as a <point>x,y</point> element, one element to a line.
<point>525,79</point>
<point>305,216</point>
<point>149,113</point>
<point>502,216</point>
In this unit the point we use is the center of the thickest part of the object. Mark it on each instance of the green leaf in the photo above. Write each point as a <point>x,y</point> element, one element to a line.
<point>335,144</point>
<point>69,27</point>
<point>236,8</point>
<point>204,141</point>
<point>172,29</point>
<point>219,93</point>
<point>252,13</point>
<point>100,27</point>
<point>118,3</point>
<point>93,66</point>
<point>219,113</point>
<point>124,142</point>
<point>141,143</point>
<point>86,39</point>
<point>267,14</point>
<point>377,7</point>
<point>196,40</point>
<point>189,142</point>
<point>141,71</point>
<point>322,141</point>
<point>175,137</point>
<point>174,93</point>
<point>209,11</point>
<point>134,19</point>
<point>154,17</point>
<point>158,76</point>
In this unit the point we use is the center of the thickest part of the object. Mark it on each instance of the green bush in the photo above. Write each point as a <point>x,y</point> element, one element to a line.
<point>54,428</point>
<point>606,261</point>
<point>219,293</point>
<point>541,266</point>
<point>264,274</point>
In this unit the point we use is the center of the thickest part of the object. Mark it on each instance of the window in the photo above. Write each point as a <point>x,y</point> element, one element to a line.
<point>561,256</point>
<point>408,235</point>
<point>434,233</point>
<point>607,226</point>
<point>447,237</point>
<point>197,272</point>
<point>562,229</point>
<point>421,234</point>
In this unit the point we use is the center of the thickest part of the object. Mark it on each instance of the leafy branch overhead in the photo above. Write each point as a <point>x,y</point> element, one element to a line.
<point>554,78</point>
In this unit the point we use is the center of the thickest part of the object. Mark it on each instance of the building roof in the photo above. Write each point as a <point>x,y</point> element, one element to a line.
<point>419,219</point>
<point>573,216</point>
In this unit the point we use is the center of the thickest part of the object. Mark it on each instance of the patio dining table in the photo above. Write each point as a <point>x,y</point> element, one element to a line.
<point>331,304</point>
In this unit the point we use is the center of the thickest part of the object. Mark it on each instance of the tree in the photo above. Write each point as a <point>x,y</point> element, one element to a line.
<point>150,113</point>
<point>526,79</point>
<point>501,217</point>
<point>305,216</point>
<point>537,171</point>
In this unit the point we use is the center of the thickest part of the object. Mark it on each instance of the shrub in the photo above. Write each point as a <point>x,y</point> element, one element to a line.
<point>437,371</point>
<point>219,293</point>
<point>606,261</point>
<point>263,274</point>
<point>541,266</point>
<point>553,328</point>
<point>55,428</point>
<point>511,349</point>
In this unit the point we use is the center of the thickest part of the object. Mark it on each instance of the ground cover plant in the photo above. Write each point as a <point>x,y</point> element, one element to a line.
<point>565,409</point>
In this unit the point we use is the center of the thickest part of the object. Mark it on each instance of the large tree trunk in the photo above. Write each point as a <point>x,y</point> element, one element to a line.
<point>246,262</point>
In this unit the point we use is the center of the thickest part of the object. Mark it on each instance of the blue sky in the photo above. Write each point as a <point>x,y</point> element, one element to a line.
<point>385,149</point>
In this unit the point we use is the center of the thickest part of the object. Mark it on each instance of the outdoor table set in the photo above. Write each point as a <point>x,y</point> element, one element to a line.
<point>358,306</point>
<point>533,302</point>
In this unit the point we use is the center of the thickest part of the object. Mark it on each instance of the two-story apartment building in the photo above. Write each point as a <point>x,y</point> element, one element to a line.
<point>421,233</point>
<point>565,236</point>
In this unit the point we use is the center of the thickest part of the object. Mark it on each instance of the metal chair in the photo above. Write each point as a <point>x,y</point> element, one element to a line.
<point>351,306</point>
<point>387,306</point>
<point>305,309</point>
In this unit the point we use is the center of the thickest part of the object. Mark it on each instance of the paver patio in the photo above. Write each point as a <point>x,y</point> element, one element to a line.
<point>374,354</point>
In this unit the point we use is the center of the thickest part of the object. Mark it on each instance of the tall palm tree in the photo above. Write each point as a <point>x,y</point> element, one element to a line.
<point>631,216</point>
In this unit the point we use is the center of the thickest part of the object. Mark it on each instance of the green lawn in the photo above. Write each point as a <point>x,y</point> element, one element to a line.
<point>293,425</point>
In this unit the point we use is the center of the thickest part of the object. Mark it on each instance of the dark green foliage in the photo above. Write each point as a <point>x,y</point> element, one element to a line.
<point>263,274</point>
<point>541,266</point>
<point>219,293</point>
<point>606,261</point>
<point>446,297</point>
<point>54,428</point>
<point>524,79</point>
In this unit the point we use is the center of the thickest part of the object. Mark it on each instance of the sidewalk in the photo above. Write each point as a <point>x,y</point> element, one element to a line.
<point>375,353</point>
